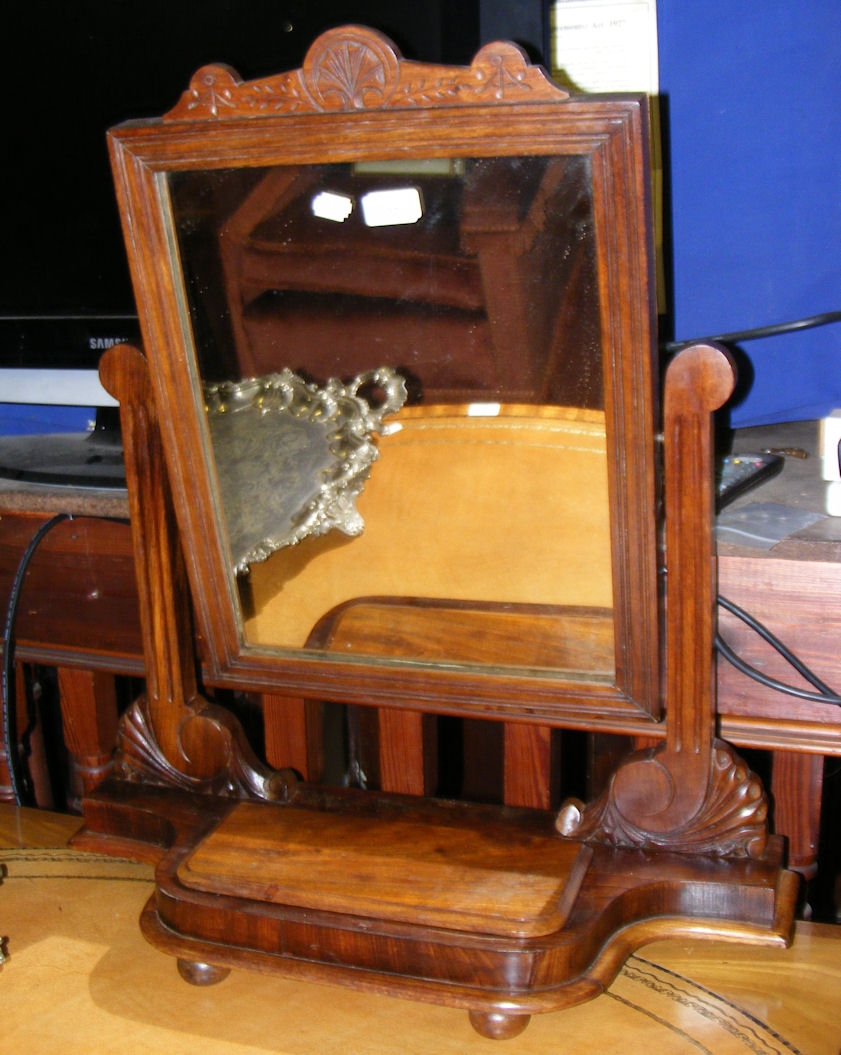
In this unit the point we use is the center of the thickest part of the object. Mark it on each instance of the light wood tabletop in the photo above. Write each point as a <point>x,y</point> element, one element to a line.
<point>78,977</point>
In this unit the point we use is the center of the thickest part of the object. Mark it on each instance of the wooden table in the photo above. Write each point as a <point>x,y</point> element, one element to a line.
<point>794,588</point>
<point>79,602</point>
<point>79,977</point>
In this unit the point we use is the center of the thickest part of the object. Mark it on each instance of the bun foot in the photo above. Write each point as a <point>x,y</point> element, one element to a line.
<point>201,973</point>
<point>498,1025</point>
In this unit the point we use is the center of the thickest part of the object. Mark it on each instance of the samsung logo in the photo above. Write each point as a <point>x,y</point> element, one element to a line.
<point>100,344</point>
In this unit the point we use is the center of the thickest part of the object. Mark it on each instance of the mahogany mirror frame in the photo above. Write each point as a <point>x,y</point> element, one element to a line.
<point>383,108</point>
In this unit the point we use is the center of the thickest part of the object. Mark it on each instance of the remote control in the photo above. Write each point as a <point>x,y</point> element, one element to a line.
<point>741,472</point>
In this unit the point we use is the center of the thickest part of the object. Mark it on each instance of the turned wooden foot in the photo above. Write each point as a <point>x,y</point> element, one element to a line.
<point>201,973</point>
<point>498,1025</point>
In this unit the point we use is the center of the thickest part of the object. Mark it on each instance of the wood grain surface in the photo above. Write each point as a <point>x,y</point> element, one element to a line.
<point>490,878</point>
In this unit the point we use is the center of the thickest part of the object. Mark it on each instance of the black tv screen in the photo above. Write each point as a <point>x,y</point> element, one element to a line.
<point>74,70</point>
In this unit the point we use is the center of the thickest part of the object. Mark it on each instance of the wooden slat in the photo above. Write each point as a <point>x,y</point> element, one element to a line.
<point>796,788</point>
<point>527,765</point>
<point>407,746</point>
<point>89,720</point>
<point>293,730</point>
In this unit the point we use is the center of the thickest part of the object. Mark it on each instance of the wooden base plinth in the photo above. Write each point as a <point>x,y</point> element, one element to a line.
<point>477,907</point>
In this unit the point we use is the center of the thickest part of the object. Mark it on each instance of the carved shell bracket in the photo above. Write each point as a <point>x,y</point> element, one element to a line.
<point>731,821</point>
<point>354,68</point>
<point>239,774</point>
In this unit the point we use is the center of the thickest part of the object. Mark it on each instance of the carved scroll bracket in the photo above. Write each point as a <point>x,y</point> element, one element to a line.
<point>232,770</point>
<point>691,793</point>
<point>354,68</point>
<point>638,808</point>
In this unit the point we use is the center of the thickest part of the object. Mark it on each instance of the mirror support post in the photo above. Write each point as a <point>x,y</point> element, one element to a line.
<point>691,793</point>
<point>172,735</point>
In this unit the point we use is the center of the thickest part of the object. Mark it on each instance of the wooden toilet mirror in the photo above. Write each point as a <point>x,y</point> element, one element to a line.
<point>398,413</point>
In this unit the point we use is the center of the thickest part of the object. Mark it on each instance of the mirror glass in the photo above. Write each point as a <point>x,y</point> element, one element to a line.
<point>402,371</point>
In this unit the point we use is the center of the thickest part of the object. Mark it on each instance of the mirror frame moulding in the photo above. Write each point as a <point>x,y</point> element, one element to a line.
<point>224,123</point>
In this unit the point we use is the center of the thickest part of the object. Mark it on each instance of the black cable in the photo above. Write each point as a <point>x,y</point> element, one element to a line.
<point>825,695</point>
<point>775,643</point>
<point>771,683</point>
<point>20,782</point>
<point>760,331</point>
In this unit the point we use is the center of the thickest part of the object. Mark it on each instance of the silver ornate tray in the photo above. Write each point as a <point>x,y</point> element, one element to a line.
<point>292,457</point>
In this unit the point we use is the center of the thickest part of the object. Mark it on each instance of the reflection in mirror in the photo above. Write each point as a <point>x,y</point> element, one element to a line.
<point>311,446</point>
<point>403,377</point>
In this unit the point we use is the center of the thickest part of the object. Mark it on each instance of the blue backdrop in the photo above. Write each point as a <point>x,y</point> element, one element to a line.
<point>753,105</point>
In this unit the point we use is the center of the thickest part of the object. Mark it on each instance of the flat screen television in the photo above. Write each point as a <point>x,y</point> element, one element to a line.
<point>75,70</point>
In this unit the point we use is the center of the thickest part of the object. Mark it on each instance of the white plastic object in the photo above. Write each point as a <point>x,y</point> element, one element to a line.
<point>829,436</point>
<point>833,498</point>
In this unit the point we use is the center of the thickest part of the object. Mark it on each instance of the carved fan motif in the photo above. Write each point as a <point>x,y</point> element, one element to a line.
<point>342,73</point>
<point>731,822</point>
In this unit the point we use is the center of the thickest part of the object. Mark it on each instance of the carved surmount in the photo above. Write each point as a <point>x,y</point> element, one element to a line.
<point>731,822</point>
<point>236,772</point>
<point>350,71</point>
<point>354,68</point>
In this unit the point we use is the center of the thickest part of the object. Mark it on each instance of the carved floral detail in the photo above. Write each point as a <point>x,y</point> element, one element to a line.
<point>211,91</point>
<point>140,759</point>
<point>345,72</point>
<point>353,68</point>
<point>505,71</point>
<point>731,821</point>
